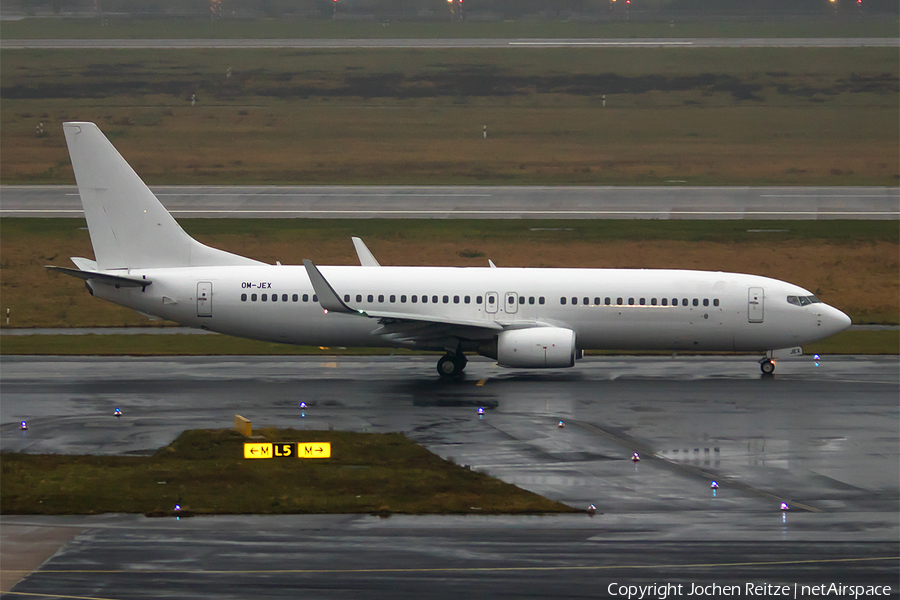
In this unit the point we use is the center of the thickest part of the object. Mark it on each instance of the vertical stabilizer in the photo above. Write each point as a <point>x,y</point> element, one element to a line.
<point>129,227</point>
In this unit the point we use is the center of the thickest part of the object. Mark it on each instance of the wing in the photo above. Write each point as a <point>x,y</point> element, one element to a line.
<point>405,329</point>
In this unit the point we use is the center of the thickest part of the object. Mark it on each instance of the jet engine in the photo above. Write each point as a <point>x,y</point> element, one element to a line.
<point>536,347</point>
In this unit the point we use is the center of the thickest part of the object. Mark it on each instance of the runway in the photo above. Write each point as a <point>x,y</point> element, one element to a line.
<point>822,438</point>
<point>456,43</point>
<point>485,202</point>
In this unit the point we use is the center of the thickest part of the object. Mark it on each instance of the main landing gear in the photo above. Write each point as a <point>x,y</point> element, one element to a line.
<point>767,366</point>
<point>451,365</point>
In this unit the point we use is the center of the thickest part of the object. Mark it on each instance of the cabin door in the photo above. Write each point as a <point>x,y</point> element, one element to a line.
<point>204,299</point>
<point>512,303</point>
<point>755,304</point>
<point>491,302</point>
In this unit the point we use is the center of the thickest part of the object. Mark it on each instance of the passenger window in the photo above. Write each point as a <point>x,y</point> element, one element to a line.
<point>477,299</point>
<point>414,299</point>
<point>631,302</point>
<point>511,300</point>
<point>607,301</point>
<point>434,299</point>
<point>295,298</point>
<point>674,301</point>
<point>274,297</point>
<point>587,301</point>
<point>684,302</point>
<point>252,297</point>
<point>370,298</point>
<point>243,297</point>
<point>403,298</point>
<point>541,300</point>
<point>359,297</point>
<point>643,302</point>
<point>521,299</point>
<point>455,299</point>
<point>264,297</point>
<point>665,301</point>
<point>306,297</point>
<point>715,302</point>
<point>652,301</point>
<point>424,299</point>
<point>574,301</point>
<point>467,299</point>
<point>562,300</point>
<point>530,299</point>
<point>315,298</point>
<point>596,301</point>
<point>696,302</point>
<point>490,299</point>
<point>393,298</point>
<point>619,302</point>
<point>445,299</point>
<point>706,302</point>
<point>381,297</point>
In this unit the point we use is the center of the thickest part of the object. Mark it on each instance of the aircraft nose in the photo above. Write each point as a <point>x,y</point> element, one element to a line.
<point>834,320</point>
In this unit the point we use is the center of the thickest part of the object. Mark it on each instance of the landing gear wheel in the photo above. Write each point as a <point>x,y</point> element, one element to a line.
<point>767,367</point>
<point>451,365</point>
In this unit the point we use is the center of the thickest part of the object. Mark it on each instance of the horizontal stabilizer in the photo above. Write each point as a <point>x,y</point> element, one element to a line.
<point>105,278</point>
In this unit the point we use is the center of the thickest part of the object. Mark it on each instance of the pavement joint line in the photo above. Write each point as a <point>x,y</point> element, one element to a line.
<point>60,596</point>
<point>692,470</point>
<point>816,561</point>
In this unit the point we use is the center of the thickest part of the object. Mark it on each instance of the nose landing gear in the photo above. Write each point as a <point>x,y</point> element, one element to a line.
<point>451,365</point>
<point>767,366</point>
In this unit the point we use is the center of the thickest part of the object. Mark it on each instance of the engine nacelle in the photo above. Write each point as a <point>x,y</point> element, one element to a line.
<point>536,347</point>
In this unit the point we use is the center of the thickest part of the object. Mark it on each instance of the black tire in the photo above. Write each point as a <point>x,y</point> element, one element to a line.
<point>447,366</point>
<point>767,367</point>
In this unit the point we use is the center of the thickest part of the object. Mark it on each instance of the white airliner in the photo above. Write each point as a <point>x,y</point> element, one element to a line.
<point>523,318</point>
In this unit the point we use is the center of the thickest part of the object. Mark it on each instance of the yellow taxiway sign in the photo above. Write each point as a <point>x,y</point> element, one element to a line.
<point>314,450</point>
<point>257,450</point>
<point>287,450</point>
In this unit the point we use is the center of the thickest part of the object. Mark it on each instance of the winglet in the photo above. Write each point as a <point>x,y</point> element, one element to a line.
<point>491,264</point>
<point>328,298</point>
<point>366,258</point>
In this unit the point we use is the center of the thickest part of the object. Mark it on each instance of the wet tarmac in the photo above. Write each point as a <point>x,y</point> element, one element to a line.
<point>823,439</point>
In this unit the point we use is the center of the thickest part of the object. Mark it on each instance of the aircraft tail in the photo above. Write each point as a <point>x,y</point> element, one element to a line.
<point>129,227</point>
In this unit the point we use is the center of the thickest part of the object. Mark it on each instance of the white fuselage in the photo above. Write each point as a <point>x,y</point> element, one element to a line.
<point>606,308</point>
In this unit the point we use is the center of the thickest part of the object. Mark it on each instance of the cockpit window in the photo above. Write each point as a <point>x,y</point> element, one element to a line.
<point>802,300</point>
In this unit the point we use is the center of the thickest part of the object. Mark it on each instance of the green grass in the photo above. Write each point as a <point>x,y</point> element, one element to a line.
<point>204,471</point>
<point>727,116</point>
<point>121,28</point>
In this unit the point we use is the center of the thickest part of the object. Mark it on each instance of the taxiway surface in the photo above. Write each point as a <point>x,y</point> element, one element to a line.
<point>822,438</point>
<point>423,43</point>
<point>485,202</point>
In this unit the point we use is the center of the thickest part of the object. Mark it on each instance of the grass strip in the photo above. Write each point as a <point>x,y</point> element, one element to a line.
<point>205,473</point>
<point>853,265</point>
<point>847,342</point>
<point>582,116</point>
